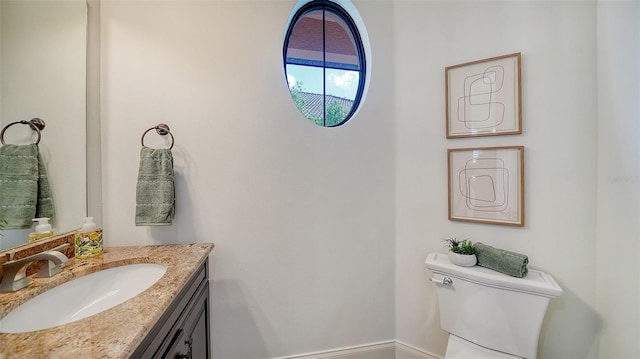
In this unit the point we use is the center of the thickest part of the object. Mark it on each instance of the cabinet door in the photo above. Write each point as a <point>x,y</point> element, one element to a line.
<point>191,339</point>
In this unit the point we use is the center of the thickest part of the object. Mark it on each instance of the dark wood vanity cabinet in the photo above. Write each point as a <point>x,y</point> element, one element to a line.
<point>183,330</point>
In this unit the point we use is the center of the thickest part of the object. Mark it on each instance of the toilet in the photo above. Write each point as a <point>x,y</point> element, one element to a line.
<point>490,314</point>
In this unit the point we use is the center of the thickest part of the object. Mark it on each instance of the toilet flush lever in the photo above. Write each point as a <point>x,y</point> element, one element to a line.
<point>445,280</point>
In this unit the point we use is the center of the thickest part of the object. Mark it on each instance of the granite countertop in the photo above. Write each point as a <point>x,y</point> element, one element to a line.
<point>116,332</point>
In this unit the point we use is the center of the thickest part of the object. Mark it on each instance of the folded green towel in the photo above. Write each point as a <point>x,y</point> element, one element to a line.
<point>25,193</point>
<point>155,190</point>
<point>500,260</point>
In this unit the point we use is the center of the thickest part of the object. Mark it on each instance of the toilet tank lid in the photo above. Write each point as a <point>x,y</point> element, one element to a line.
<point>535,282</point>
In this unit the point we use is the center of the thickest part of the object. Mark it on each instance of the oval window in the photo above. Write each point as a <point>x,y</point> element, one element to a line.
<point>324,63</point>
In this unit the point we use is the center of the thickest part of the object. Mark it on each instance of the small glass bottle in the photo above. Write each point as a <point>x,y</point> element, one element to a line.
<point>43,229</point>
<point>88,240</point>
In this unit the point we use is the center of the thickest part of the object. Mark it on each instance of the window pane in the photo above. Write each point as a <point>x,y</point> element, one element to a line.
<point>341,50</point>
<point>341,88</point>
<point>305,84</point>
<point>306,41</point>
<point>342,83</point>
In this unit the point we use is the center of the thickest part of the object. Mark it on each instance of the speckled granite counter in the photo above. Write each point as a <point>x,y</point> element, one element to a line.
<point>114,333</point>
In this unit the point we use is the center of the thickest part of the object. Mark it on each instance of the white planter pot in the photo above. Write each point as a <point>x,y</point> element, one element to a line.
<point>464,260</point>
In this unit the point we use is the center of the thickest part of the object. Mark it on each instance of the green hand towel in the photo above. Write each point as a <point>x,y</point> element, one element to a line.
<point>44,206</point>
<point>155,190</point>
<point>503,261</point>
<point>24,187</point>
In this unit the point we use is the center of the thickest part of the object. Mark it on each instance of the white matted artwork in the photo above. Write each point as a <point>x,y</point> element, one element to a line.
<point>486,185</point>
<point>483,97</point>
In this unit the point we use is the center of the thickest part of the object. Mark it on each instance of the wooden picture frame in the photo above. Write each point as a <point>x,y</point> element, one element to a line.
<point>483,98</point>
<point>486,185</point>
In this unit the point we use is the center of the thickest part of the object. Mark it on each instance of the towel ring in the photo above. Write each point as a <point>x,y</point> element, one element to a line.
<point>36,124</point>
<point>163,130</point>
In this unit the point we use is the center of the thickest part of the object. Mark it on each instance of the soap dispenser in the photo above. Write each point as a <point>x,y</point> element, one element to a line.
<point>88,239</point>
<point>43,229</point>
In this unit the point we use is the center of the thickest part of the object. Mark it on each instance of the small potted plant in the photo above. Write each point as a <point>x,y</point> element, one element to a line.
<point>461,252</point>
<point>2,224</point>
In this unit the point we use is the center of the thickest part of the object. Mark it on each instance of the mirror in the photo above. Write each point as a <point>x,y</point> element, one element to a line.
<point>43,75</point>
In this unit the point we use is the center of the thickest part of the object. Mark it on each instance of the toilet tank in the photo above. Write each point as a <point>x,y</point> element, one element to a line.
<point>492,309</point>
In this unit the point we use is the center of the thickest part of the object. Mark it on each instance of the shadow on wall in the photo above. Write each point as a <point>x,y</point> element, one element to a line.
<point>437,342</point>
<point>580,342</point>
<point>235,331</point>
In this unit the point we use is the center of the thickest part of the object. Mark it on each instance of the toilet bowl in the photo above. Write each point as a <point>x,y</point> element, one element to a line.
<point>458,348</point>
<point>490,314</point>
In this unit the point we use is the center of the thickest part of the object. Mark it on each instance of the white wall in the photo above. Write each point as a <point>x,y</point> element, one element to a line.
<point>302,216</point>
<point>557,42</point>
<point>321,233</point>
<point>618,244</point>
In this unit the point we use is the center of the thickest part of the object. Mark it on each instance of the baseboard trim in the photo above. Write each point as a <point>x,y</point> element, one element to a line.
<point>384,350</point>
<point>347,352</point>
<point>409,351</point>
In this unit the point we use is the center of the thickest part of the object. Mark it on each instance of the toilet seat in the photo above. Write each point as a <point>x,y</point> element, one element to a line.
<point>458,348</point>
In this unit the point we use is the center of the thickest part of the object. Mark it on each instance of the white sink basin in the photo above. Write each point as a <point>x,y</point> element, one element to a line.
<point>82,297</point>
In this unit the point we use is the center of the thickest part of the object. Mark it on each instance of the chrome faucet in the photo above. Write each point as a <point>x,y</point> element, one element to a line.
<point>14,271</point>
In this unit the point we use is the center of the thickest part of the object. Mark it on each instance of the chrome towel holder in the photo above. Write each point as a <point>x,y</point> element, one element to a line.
<point>36,124</point>
<point>163,130</point>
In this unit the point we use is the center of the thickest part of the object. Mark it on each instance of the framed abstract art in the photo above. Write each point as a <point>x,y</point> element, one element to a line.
<point>486,185</point>
<point>483,98</point>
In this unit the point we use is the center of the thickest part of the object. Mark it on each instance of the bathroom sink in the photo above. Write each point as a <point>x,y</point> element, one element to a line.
<point>82,297</point>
